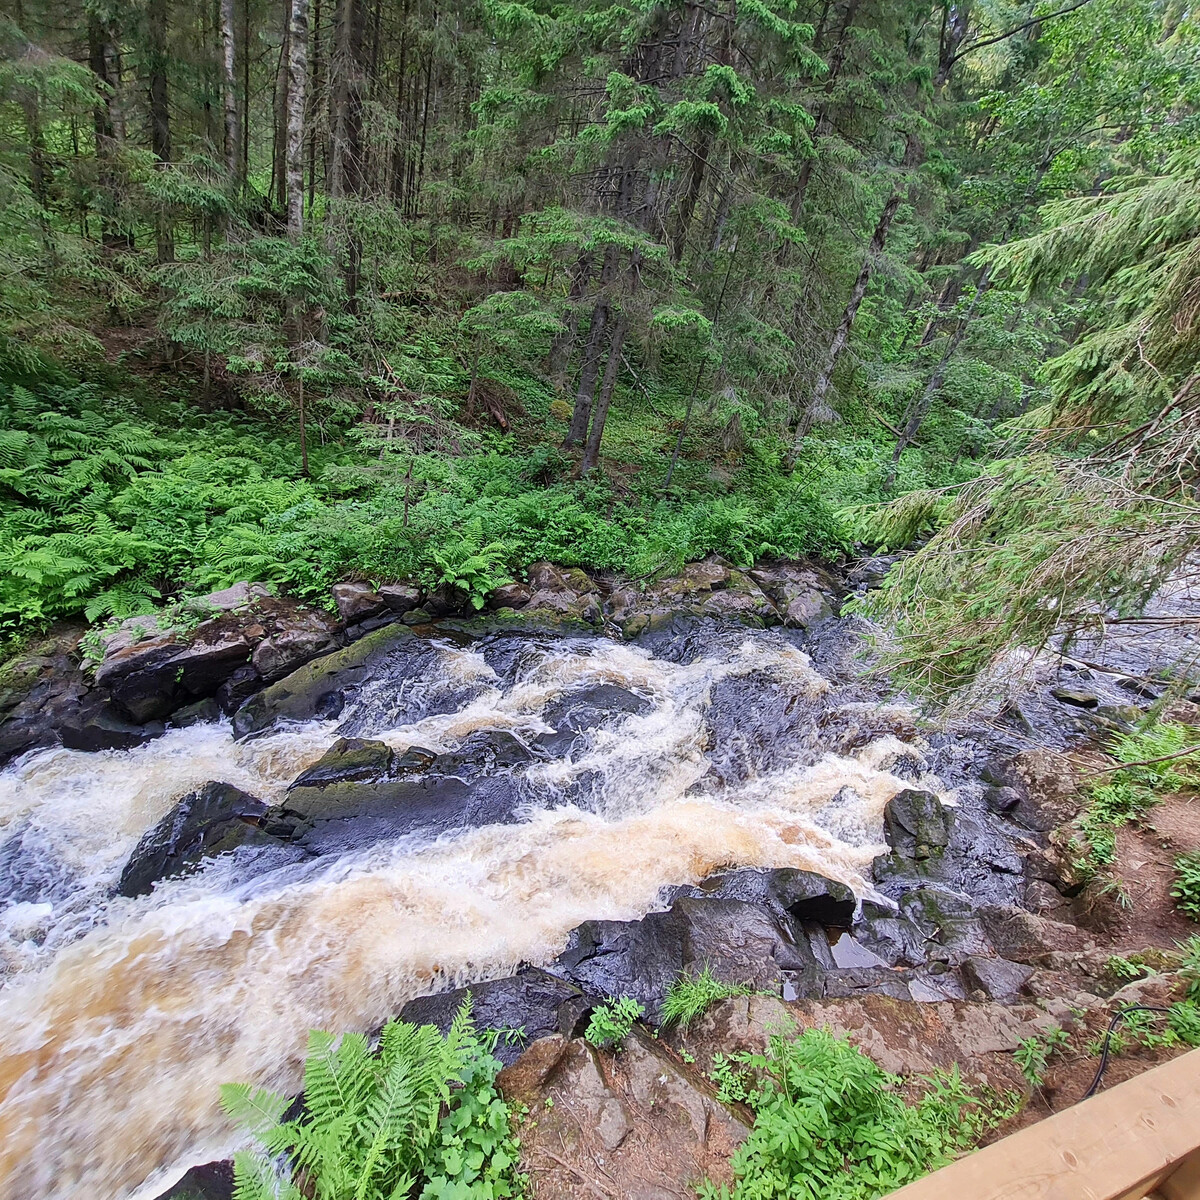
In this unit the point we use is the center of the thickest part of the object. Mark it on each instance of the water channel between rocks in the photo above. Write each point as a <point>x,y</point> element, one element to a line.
<point>123,1016</point>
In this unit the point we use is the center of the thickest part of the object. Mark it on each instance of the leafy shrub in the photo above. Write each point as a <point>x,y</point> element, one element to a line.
<point>420,1117</point>
<point>1034,1053</point>
<point>690,996</point>
<point>830,1124</point>
<point>611,1023</point>
<point>1189,968</point>
<point>1125,970</point>
<point>1186,888</point>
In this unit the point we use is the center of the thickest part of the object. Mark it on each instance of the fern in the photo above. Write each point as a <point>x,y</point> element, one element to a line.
<point>375,1124</point>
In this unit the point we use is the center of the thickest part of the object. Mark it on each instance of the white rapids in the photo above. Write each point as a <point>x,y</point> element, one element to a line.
<point>122,1017</point>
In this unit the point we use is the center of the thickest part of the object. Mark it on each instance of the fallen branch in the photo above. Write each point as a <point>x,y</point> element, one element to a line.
<point>1144,762</point>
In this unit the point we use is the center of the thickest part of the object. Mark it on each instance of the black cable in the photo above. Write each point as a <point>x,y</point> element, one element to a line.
<point>1117,1017</point>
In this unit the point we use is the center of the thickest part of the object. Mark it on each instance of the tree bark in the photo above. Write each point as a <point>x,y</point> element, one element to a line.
<point>98,55</point>
<point>591,452</point>
<point>346,101</point>
<point>588,373</point>
<point>297,87</point>
<point>564,343</point>
<point>233,137</point>
<point>160,114</point>
<point>919,409</point>
<point>817,401</point>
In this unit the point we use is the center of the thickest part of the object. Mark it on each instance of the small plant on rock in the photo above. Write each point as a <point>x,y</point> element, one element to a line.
<point>611,1023</point>
<point>1125,970</point>
<point>418,1117</point>
<point>690,996</point>
<point>1034,1053</point>
<point>1186,889</point>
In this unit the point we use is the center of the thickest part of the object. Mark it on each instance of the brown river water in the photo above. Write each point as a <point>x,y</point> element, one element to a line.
<point>122,1017</point>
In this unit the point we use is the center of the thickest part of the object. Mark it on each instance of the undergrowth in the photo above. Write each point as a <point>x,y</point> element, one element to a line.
<point>418,1117</point>
<point>1158,765</point>
<point>830,1124</point>
<point>109,510</point>
<point>690,996</point>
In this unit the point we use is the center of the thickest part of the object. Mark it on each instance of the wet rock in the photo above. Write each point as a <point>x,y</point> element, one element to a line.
<point>510,595</point>
<point>1080,697</point>
<point>579,581</point>
<point>320,688</point>
<point>1023,936</point>
<point>1001,799</point>
<point>520,1081</point>
<point>952,929</point>
<point>300,641</point>
<point>916,824</point>
<point>471,787</point>
<point>215,819</point>
<point>238,688</point>
<point>357,600</point>
<point>417,616</point>
<point>1045,782</point>
<point>96,726</point>
<point>200,713</point>
<point>448,600</point>
<point>580,712</point>
<point>348,760</point>
<point>870,572</point>
<point>546,577</point>
<point>995,977</point>
<point>528,1006</point>
<point>786,893</point>
<point>212,1181</point>
<point>738,942</point>
<point>894,936</point>
<point>400,597</point>
<point>802,593</point>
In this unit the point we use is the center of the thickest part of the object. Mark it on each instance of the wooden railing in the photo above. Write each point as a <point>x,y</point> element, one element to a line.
<point>1139,1139</point>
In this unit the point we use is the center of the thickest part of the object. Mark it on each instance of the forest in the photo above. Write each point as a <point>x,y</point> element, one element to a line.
<point>322,289</point>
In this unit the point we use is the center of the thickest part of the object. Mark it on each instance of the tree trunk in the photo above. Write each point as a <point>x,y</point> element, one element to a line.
<point>919,410</point>
<point>233,137</point>
<point>588,373</point>
<point>111,237</point>
<point>346,99</point>
<point>278,189</point>
<point>160,114</point>
<point>814,409</point>
<point>822,125</point>
<point>591,453</point>
<point>564,343</point>
<point>297,83</point>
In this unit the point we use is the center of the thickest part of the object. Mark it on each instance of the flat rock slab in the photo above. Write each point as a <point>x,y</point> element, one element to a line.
<point>635,1126</point>
<point>903,1036</point>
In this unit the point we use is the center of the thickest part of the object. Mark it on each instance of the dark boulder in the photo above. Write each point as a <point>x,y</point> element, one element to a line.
<point>917,824</point>
<point>400,597</point>
<point>212,1181</point>
<point>355,601</point>
<point>470,787</point>
<point>97,725</point>
<point>577,713</point>
<point>320,688</point>
<point>349,760</point>
<point>510,595</point>
<point>300,640</point>
<point>738,942</point>
<point>995,977</point>
<point>215,819</point>
<point>526,1006</point>
<point>786,893</point>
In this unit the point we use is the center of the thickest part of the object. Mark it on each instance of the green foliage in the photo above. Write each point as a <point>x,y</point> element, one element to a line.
<point>420,1116</point>
<point>1034,1053</point>
<point>829,1124</point>
<point>1189,968</point>
<point>467,564</point>
<point>690,996</point>
<point>1125,970</point>
<point>611,1023</point>
<point>1186,888</point>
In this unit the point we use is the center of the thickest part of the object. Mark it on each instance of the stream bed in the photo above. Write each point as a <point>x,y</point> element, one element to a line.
<point>635,768</point>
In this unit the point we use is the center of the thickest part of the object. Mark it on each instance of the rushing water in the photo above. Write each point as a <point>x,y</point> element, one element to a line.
<point>122,1017</point>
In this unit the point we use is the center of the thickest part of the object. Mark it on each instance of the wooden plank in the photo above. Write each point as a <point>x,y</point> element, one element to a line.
<point>1105,1148</point>
<point>1184,1182</point>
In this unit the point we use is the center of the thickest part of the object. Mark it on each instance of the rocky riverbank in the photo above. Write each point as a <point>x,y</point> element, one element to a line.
<point>950,923</point>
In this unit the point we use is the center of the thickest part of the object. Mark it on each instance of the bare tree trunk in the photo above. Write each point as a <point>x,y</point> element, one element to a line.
<point>278,189</point>
<point>591,452</point>
<point>919,409</point>
<point>233,137</point>
<point>345,101</point>
<point>817,404</point>
<point>297,83</point>
<point>564,343</point>
<point>588,373</point>
<point>110,236</point>
<point>160,114</point>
